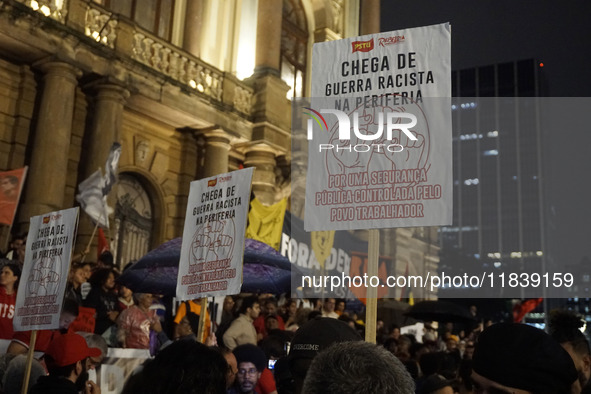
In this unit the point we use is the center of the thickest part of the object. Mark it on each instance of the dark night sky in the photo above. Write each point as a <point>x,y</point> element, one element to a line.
<point>553,32</point>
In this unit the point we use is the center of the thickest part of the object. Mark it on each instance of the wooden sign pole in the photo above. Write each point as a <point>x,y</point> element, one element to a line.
<point>371,306</point>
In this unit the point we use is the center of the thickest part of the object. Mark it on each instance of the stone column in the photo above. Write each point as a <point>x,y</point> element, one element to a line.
<point>262,158</point>
<point>268,44</point>
<point>193,27</point>
<point>370,17</point>
<point>105,128</point>
<point>216,155</point>
<point>46,179</point>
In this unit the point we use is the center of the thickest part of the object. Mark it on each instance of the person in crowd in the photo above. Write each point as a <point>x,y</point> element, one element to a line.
<point>196,309</point>
<point>518,358</point>
<point>184,367</point>
<point>105,260</point>
<point>436,384</point>
<point>228,316</point>
<point>14,376</point>
<point>290,316</point>
<point>103,299</point>
<point>251,363</point>
<point>311,338</point>
<point>18,241</point>
<point>232,366</point>
<point>469,350</point>
<point>9,279</point>
<point>17,249</point>
<point>125,297</point>
<point>270,309</point>
<point>565,329</point>
<point>21,339</point>
<point>67,361</point>
<point>340,307</point>
<point>394,331</point>
<point>242,331</point>
<point>348,320</point>
<point>96,341</point>
<point>76,278</point>
<point>134,323</point>
<point>328,308</point>
<point>357,368</point>
<point>187,330</point>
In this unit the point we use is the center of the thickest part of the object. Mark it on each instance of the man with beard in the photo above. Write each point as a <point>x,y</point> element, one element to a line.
<point>251,363</point>
<point>67,360</point>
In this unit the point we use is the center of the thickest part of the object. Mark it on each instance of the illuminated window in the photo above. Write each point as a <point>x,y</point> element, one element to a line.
<point>152,15</point>
<point>294,47</point>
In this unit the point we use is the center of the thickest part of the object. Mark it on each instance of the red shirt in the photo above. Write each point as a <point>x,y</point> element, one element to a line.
<point>259,324</point>
<point>266,383</point>
<point>44,338</point>
<point>6,313</point>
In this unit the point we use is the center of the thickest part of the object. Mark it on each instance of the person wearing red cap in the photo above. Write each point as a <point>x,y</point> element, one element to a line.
<point>67,360</point>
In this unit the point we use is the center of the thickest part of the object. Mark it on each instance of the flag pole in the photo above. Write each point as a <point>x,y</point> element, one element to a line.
<point>202,317</point>
<point>371,311</point>
<point>29,364</point>
<point>90,240</point>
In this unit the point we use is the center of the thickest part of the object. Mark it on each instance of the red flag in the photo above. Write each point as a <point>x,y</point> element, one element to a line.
<point>103,244</point>
<point>11,185</point>
<point>520,310</point>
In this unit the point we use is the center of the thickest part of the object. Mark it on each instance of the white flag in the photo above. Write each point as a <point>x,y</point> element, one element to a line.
<point>92,200</point>
<point>111,168</point>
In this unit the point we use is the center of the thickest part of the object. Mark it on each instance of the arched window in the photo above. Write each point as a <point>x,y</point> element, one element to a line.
<point>153,15</point>
<point>133,224</point>
<point>294,47</point>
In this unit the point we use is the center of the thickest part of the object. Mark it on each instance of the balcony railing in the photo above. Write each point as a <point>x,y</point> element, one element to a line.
<point>129,40</point>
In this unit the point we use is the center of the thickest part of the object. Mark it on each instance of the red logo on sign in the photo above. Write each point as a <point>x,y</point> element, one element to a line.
<point>46,219</point>
<point>391,40</point>
<point>212,183</point>
<point>362,46</point>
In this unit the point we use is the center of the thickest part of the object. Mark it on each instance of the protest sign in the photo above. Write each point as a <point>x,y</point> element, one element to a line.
<point>45,271</point>
<point>213,237</point>
<point>11,185</point>
<point>379,131</point>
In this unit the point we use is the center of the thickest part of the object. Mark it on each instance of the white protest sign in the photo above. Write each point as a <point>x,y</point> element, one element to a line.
<point>379,131</point>
<point>213,237</point>
<point>45,270</point>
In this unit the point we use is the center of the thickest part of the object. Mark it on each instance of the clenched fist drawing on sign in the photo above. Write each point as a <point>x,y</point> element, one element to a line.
<point>379,150</point>
<point>213,241</point>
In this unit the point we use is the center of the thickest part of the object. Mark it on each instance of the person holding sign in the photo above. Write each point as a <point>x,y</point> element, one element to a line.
<point>9,278</point>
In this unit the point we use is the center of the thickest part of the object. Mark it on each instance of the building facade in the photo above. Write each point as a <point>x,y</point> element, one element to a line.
<point>498,221</point>
<point>190,88</point>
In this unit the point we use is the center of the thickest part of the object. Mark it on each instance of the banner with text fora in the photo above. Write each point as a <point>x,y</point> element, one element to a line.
<point>213,237</point>
<point>378,131</point>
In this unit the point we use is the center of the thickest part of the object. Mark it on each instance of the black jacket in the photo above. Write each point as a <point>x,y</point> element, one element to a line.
<point>53,385</point>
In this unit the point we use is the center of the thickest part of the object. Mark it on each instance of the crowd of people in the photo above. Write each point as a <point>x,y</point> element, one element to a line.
<point>273,344</point>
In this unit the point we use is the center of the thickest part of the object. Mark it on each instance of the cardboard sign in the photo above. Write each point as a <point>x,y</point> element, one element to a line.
<point>45,271</point>
<point>213,237</point>
<point>379,133</point>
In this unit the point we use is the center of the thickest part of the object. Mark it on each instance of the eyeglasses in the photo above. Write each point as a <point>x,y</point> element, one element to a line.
<point>251,371</point>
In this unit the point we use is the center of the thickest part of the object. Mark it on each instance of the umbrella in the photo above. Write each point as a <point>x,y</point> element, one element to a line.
<point>265,269</point>
<point>392,312</point>
<point>440,311</point>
